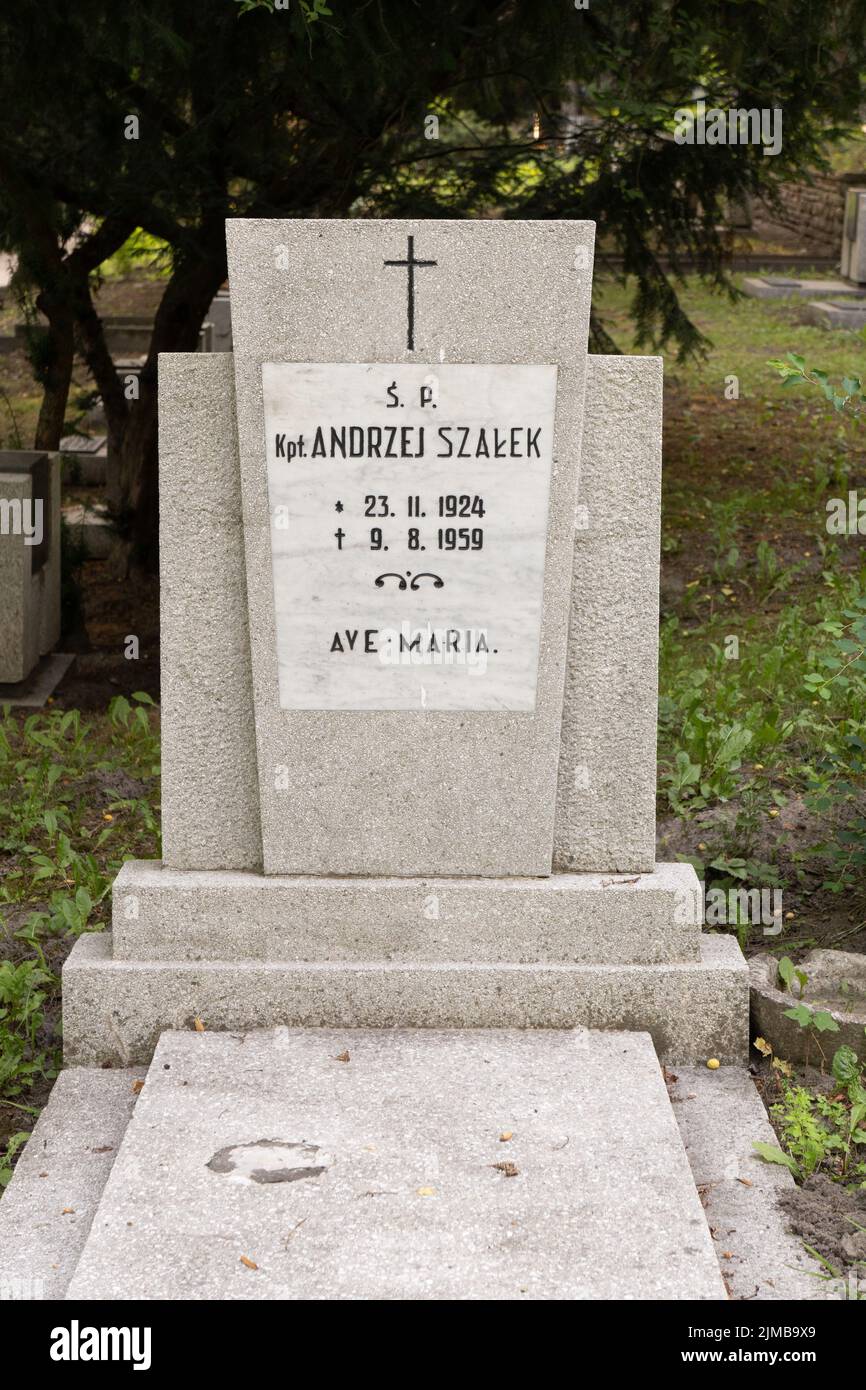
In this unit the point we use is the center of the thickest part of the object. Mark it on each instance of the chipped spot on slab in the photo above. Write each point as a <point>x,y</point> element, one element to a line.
<point>269,1161</point>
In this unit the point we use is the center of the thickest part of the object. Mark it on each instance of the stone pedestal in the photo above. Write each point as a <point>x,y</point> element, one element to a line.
<point>603,938</point>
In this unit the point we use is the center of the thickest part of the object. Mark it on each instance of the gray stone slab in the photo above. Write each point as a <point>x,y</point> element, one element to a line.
<point>47,1208</point>
<point>42,682</point>
<point>115,1010</point>
<point>390,1188</point>
<point>606,795</point>
<point>165,914</point>
<point>720,1116</point>
<point>795,287</point>
<point>210,815</point>
<point>841,315</point>
<point>394,792</point>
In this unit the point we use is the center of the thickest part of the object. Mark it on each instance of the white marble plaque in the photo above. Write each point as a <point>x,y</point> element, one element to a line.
<point>409,513</point>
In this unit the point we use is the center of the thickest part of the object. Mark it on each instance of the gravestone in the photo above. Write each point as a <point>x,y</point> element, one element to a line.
<point>854,237</point>
<point>29,560</point>
<point>219,316</point>
<point>409,588</point>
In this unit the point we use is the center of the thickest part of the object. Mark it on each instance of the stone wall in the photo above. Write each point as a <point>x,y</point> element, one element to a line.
<point>809,215</point>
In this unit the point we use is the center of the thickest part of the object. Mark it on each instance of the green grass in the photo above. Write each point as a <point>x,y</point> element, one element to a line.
<point>77,798</point>
<point>743,336</point>
<point>762,675</point>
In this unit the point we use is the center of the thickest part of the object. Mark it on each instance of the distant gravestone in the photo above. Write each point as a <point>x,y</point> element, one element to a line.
<point>409,587</point>
<point>29,560</point>
<point>854,236</point>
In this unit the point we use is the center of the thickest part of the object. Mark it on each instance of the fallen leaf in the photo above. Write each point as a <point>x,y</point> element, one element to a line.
<point>747,1182</point>
<point>507,1169</point>
<point>727,1254</point>
<point>250,1264</point>
<point>68,1211</point>
<point>426,1191</point>
<point>506,1135</point>
<point>343,1056</point>
<point>137,1087</point>
<point>199,1026</point>
<point>106,1149</point>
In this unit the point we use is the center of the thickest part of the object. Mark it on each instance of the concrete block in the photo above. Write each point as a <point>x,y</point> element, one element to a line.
<point>835,982</point>
<point>606,793</point>
<point>47,1208</point>
<point>842,314</point>
<point>262,1167</point>
<point>210,807</point>
<point>165,914</point>
<point>115,1010</point>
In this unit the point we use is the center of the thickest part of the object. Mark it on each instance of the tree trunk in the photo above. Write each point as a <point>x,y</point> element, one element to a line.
<point>94,350</point>
<point>52,364</point>
<point>177,326</point>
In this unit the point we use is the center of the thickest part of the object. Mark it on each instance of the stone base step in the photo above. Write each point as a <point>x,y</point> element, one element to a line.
<point>115,1010</point>
<point>164,914</point>
<point>47,1208</point>
<point>339,1164</point>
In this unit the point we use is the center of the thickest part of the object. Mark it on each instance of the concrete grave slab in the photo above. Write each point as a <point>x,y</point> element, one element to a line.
<point>827,314</point>
<point>721,1116</point>
<point>367,1165</point>
<point>796,287</point>
<point>46,1211</point>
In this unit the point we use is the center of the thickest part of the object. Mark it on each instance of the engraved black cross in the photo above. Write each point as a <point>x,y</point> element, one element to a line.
<point>410,263</point>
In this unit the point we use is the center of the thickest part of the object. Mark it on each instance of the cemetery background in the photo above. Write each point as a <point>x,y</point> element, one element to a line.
<point>743,533</point>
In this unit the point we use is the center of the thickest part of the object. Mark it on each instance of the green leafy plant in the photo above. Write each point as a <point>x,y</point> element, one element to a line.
<point>11,1148</point>
<point>22,995</point>
<point>788,973</point>
<point>820,1132</point>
